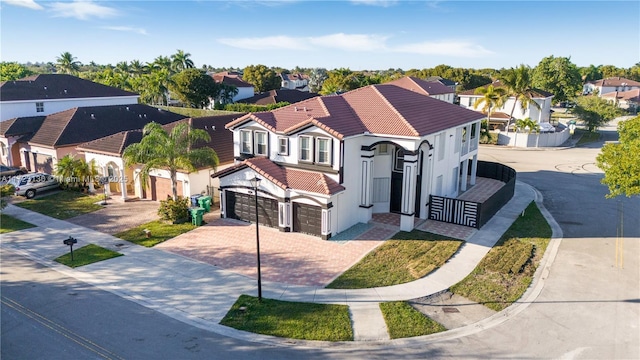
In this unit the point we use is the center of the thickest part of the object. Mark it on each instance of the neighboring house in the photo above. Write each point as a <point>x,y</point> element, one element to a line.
<point>245,90</point>
<point>330,162</point>
<point>276,96</point>
<point>42,143</point>
<point>433,89</point>
<point>542,98</point>
<point>608,85</point>
<point>446,82</point>
<point>46,94</point>
<point>107,153</point>
<point>295,81</point>
<point>627,100</point>
<point>14,131</point>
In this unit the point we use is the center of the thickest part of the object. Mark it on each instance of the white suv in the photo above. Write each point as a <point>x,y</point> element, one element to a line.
<point>30,184</point>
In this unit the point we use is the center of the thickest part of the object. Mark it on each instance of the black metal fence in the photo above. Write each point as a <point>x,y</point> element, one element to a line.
<point>471,213</point>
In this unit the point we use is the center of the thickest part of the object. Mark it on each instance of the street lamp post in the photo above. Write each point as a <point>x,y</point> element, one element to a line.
<point>254,183</point>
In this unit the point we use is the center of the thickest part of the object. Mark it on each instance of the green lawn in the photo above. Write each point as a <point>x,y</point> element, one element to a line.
<point>291,320</point>
<point>506,272</point>
<point>64,204</point>
<point>406,257</point>
<point>9,224</point>
<point>195,112</point>
<point>87,255</point>
<point>160,231</point>
<point>586,137</point>
<point>405,321</point>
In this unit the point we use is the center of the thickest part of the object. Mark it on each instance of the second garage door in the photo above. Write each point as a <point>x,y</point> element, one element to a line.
<point>160,188</point>
<point>307,219</point>
<point>242,207</point>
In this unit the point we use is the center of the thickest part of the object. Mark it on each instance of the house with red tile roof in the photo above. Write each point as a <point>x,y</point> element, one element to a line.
<point>628,100</point>
<point>435,89</point>
<point>609,85</point>
<point>107,152</point>
<point>330,162</point>
<point>295,81</point>
<point>500,116</point>
<point>245,90</point>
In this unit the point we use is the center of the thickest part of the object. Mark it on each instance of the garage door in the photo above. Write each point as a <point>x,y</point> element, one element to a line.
<point>160,188</point>
<point>242,207</point>
<point>307,219</point>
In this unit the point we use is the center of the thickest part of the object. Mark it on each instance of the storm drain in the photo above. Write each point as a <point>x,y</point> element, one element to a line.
<point>450,310</point>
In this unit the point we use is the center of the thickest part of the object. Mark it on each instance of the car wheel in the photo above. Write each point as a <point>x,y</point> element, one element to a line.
<point>29,194</point>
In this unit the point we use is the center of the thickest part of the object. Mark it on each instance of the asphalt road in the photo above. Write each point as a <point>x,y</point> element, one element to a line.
<point>589,307</point>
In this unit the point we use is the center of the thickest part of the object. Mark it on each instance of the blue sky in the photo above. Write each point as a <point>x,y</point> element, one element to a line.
<point>362,34</point>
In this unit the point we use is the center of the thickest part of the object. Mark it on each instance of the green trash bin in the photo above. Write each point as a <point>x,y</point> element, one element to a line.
<point>196,216</point>
<point>205,203</point>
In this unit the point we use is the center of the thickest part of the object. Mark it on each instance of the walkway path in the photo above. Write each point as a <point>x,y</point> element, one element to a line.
<point>201,294</point>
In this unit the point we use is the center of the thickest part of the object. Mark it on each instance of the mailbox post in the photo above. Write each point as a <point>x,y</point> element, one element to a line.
<point>70,241</point>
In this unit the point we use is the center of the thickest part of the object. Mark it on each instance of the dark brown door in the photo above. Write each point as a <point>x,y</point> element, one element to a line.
<point>307,219</point>
<point>242,207</point>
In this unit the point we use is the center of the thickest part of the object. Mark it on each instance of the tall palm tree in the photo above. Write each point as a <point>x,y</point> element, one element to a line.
<point>123,67</point>
<point>492,97</point>
<point>172,151</point>
<point>66,63</point>
<point>180,61</point>
<point>136,68</point>
<point>526,124</point>
<point>518,84</point>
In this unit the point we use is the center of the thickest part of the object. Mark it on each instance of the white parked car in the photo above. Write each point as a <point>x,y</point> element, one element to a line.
<point>546,127</point>
<point>30,184</point>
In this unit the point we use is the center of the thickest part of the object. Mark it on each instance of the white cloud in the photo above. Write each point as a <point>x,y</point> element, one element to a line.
<point>31,4</point>
<point>359,43</point>
<point>458,48</point>
<point>381,3</point>
<point>140,31</point>
<point>82,10</point>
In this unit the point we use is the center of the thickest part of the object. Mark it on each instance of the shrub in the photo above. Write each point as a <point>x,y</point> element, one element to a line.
<point>174,210</point>
<point>5,190</point>
<point>241,107</point>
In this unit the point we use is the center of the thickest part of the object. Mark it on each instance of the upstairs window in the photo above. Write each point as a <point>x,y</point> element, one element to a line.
<point>245,142</point>
<point>323,153</point>
<point>283,146</point>
<point>261,143</point>
<point>39,107</point>
<point>305,148</point>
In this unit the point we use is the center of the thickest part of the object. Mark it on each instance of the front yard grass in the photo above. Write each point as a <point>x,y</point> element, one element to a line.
<point>587,137</point>
<point>159,232</point>
<point>9,224</point>
<point>406,257</point>
<point>293,320</point>
<point>404,321</point>
<point>86,255</point>
<point>507,270</point>
<point>64,204</point>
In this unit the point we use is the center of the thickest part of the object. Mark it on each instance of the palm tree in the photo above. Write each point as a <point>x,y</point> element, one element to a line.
<point>526,124</point>
<point>136,68</point>
<point>492,97</point>
<point>180,61</point>
<point>67,63</point>
<point>518,84</point>
<point>172,151</point>
<point>123,67</point>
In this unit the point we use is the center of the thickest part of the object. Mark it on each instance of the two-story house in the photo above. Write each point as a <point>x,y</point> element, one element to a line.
<point>295,81</point>
<point>501,116</point>
<point>331,162</point>
<point>434,89</point>
<point>608,85</point>
<point>245,90</point>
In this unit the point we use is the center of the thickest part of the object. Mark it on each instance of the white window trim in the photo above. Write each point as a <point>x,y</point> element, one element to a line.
<point>310,138</point>
<point>286,145</point>
<point>242,150</point>
<point>257,144</point>
<point>317,152</point>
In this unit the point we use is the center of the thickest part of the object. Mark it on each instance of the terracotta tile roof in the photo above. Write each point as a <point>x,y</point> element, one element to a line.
<point>294,76</point>
<point>228,78</point>
<point>443,81</point>
<point>21,126</point>
<point>422,86</point>
<point>536,93</point>
<point>633,95</point>
<point>498,115</point>
<point>385,109</point>
<point>275,96</point>
<point>615,81</point>
<point>56,86</point>
<point>84,124</point>
<point>112,144</point>
<point>287,178</point>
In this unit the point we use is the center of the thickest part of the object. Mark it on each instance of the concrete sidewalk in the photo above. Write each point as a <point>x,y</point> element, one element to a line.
<point>201,294</point>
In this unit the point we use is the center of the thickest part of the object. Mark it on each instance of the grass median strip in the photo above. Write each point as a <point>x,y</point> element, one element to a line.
<point>293,320</point>
<point>158,231</point>
<point>86,255</point>
<point>406,257</point>
<point>404,321</point>
<point>506,272</point>
<point>9,224</point>
<point>63,205</point>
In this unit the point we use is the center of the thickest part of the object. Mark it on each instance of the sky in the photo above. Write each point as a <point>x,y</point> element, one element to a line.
<point>357,34</point>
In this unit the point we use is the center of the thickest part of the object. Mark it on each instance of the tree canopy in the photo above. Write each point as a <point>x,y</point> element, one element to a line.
<point>492,97</point>
<point>263,78</point>
<point>559,76</point>
<point>518,83</point>
<point>194,88</point>
<point>66,63</point>
<point>621,161</point>
<point>13,71</point>
<point>595,111</point>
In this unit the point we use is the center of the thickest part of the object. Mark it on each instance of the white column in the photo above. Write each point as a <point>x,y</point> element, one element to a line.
<point>474,169</point>
<point>366,178</point>
<point>464,177</point>
<point>123,184</point>
<point>409,178</point>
